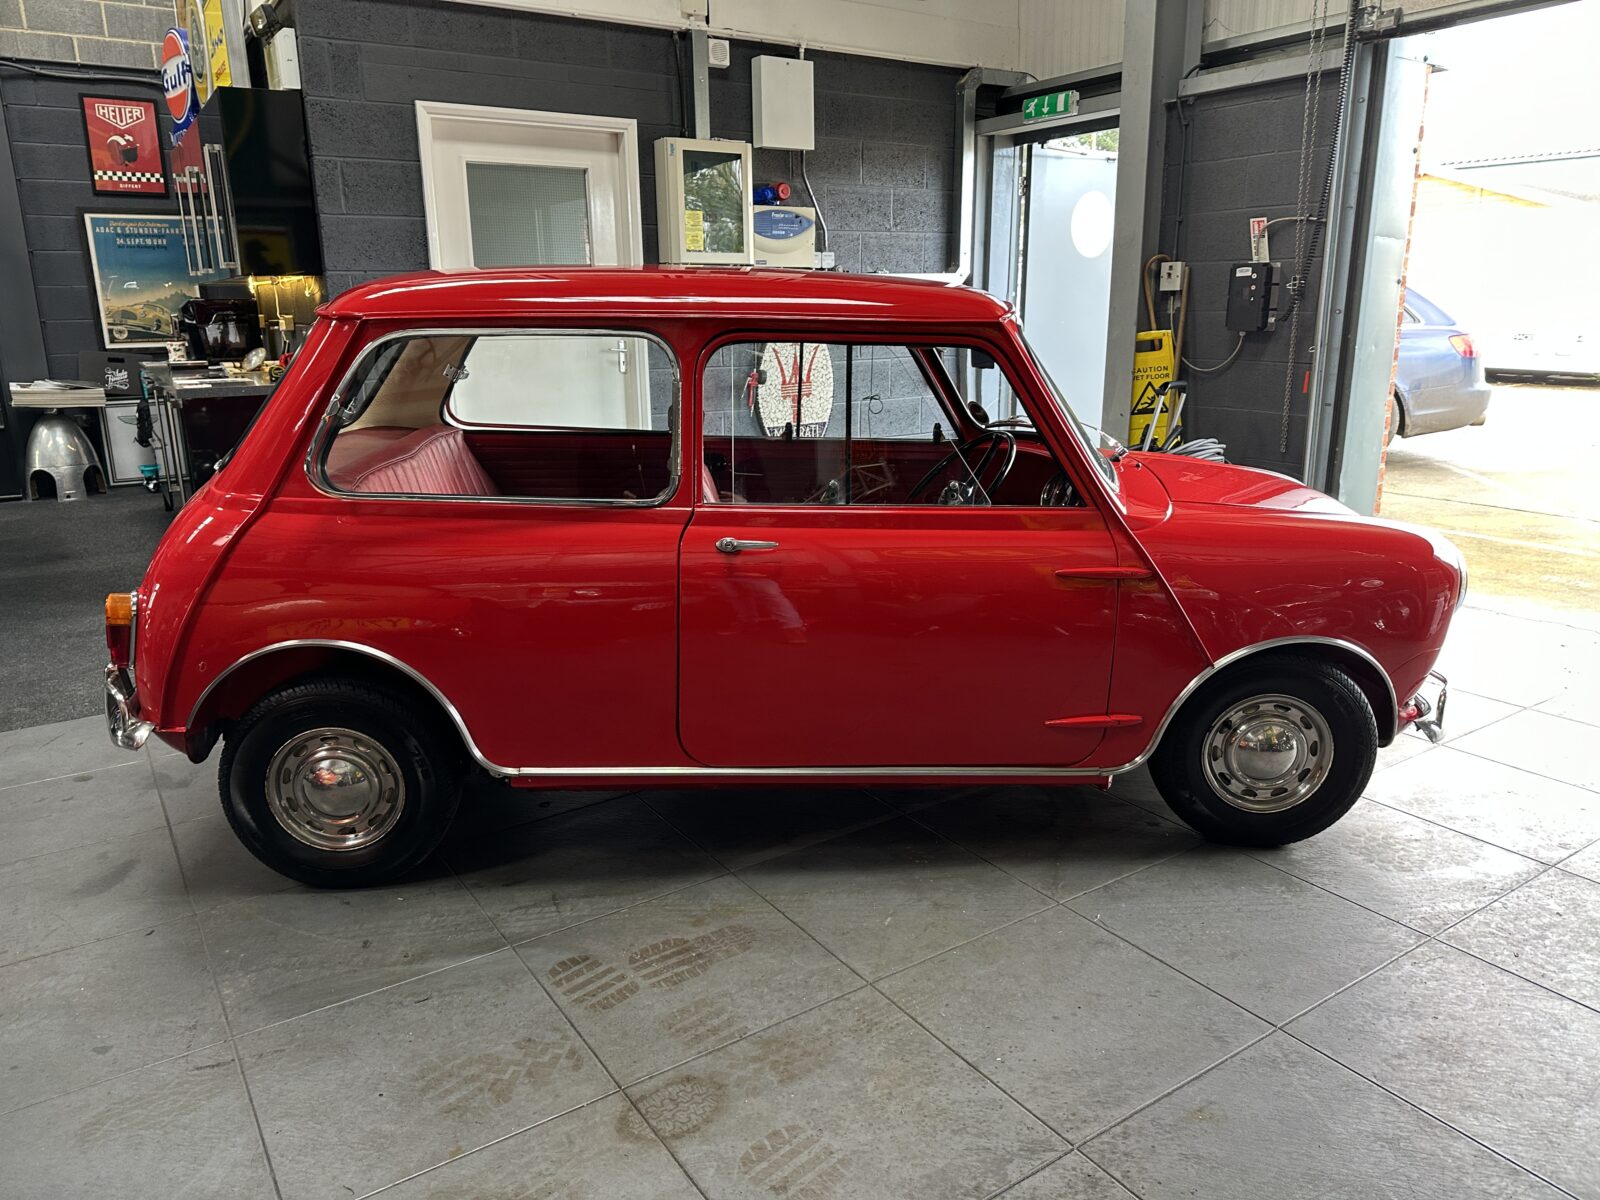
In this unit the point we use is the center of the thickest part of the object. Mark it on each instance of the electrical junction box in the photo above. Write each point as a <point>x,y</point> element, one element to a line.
<point>703,205</point>
<point>785,237</point>
<point>782,109</point>
<point>1171,277</point>
<point>1252,297</point>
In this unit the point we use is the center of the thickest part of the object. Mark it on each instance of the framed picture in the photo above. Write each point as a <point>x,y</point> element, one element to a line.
<point>124,146</point>
<point>141,276</point>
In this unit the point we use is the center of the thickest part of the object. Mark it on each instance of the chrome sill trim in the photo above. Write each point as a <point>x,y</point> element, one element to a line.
<point>788,772</point>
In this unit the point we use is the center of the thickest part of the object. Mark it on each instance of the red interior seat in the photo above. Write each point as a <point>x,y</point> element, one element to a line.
<point>434,461</point>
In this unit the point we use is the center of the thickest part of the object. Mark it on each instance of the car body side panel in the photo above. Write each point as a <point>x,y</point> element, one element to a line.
<point>197,544</point>
<point>551,629</point>
<point>1247,575</point>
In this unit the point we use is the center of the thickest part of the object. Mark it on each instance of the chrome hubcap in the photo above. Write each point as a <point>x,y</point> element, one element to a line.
<point>1268,753</point>
<point>335,789</point>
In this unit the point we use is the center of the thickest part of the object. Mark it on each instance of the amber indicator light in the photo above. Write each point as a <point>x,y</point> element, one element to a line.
<point>119,608</point>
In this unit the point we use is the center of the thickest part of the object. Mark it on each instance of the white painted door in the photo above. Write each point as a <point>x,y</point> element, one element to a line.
<point>507,187</point>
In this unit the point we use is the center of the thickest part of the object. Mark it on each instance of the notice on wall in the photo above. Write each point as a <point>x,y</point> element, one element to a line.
<point>124,146</point>
<point>1260,250</point>
<point>694,229</point>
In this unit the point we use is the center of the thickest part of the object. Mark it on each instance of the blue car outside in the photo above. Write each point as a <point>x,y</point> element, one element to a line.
<point>1439,381</point>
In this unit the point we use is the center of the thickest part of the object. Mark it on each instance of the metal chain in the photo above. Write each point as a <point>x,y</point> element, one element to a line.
<point>1308,130</point>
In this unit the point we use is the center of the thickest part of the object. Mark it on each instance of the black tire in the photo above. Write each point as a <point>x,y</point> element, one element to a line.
<point>1178,766</point>
<point>426,758</point>
<point>1397,421</point>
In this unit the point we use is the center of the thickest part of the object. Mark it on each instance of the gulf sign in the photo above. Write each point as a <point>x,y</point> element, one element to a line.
<point>177,80</point>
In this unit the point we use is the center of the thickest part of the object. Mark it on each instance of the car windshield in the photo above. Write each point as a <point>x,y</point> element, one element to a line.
<point>1103,448</point>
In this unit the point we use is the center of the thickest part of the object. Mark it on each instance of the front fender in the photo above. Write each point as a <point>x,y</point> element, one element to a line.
<point>1244,575</point>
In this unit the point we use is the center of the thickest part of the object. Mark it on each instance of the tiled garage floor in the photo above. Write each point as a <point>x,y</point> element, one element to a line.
<point>1041,994</point>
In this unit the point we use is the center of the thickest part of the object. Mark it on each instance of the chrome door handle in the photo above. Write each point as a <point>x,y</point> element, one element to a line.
<point>733,545</point>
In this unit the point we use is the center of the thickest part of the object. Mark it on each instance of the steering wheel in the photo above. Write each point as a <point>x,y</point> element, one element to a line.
<point>1001,443</point>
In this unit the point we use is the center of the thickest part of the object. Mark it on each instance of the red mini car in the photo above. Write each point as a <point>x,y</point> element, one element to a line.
<point>624,527</point>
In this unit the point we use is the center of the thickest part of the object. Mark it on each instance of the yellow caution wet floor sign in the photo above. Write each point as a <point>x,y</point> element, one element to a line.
<point>1153,366</point>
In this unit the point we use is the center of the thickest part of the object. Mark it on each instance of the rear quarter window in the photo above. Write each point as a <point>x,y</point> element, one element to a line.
<point>566,416</point>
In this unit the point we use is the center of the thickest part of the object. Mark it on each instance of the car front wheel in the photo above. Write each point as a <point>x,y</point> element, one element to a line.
<point>337,783</point>
<point>1269,753</point>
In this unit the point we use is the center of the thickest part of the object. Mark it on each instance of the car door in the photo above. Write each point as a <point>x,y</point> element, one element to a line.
<point>833,615</point>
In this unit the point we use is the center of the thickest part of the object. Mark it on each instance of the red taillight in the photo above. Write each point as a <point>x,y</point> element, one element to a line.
<point>1463,344</point>
<point>119,628</point>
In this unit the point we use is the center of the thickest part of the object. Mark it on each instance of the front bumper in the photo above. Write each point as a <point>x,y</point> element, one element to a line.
<point>123,723</point>
<point>1426,715</point>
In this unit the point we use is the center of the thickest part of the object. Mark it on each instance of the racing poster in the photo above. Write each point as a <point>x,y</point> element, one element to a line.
<point>141,276</point>
<point>124,146</point>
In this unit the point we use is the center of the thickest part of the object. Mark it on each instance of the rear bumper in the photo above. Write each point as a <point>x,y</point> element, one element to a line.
<point>123,723</point>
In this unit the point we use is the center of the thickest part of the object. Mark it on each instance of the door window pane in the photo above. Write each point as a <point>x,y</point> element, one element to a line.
<point>523,215</point>
<point>588,416</point>
<point>837,423</point>
<point>821,423</point>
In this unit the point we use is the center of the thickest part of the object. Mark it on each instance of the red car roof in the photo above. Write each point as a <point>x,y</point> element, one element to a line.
<point>664,291</point>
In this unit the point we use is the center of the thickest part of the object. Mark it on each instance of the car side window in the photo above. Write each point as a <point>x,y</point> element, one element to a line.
<point>540,416</point>
<point>846,423</point>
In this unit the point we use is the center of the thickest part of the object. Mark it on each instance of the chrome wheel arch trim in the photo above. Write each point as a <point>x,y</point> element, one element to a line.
<point>1221,664</point>
<point>1244,652</point>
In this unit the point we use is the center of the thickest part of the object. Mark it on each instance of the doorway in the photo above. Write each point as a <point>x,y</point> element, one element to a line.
<point>506,187</point>
<point>1051,208</point>
<point>1066,266</point>
<point>1490,437</point>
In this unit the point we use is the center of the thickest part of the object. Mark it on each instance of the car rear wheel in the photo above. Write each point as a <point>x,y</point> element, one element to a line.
<point>336,783</point>
<point>1270,753</point>
<point>1397,420</point>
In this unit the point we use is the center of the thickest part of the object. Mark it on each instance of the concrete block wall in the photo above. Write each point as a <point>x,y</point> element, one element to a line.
<point>1244,161</point>
<point>113,33</point>
<point>54,184</point>
<point>882,167</point>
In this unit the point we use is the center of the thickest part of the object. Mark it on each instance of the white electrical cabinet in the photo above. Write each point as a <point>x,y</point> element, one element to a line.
<point>782,103</point>
<point>703,205</point>
<point>785,236</point>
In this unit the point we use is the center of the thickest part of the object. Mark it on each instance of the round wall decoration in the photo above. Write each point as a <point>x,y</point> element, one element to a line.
<point>795,387</point>
<point>177,79</point>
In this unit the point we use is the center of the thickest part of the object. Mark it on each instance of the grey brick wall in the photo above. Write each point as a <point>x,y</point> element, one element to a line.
<point>1244,161</point>
<point>124,33</point>
<point>45,124</point>
<point>882,167</point>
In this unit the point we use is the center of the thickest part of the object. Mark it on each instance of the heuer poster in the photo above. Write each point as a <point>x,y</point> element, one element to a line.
<point>124,146</point>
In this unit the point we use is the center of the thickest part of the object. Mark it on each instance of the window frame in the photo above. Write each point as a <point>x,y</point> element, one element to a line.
<point>316,460</point>
<point>945,388</point>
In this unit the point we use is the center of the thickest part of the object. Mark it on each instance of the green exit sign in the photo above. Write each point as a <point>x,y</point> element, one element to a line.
<point>1055,104</point>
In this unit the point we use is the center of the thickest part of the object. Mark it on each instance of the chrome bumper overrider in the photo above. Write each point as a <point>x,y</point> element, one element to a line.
<point>125,728</point>
<point>1429,718</point>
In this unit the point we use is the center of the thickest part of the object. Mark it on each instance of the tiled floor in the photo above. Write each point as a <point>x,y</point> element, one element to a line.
<point>1038,994</point>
